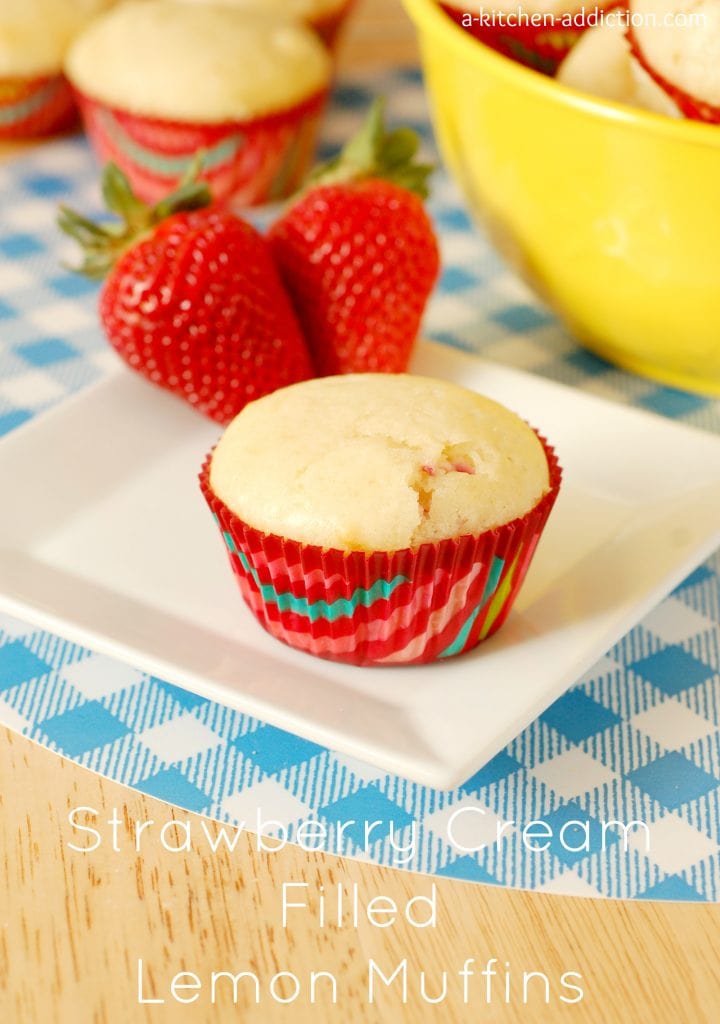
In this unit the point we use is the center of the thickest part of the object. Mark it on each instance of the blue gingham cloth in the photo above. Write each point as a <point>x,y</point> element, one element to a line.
<point>638,738</point>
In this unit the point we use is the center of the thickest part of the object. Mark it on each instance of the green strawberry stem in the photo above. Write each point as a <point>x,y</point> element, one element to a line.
<point>104,243</point>
<point>376,152</point>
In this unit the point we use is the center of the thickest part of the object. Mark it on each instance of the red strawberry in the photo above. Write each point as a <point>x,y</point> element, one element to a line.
<point>358,253</point>
<point>192,299</point>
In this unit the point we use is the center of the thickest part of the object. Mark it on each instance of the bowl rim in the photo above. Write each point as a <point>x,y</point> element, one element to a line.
<point>428,16</point>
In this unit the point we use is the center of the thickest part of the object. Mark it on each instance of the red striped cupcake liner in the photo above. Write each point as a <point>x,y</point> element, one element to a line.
<point>404,607</point>
<point>31,107</point>
<point>246,162</point>
<point>540,47</point>
<point>689,106</point>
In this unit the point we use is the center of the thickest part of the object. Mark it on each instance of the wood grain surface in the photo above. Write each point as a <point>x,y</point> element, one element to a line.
<point>74,925</point>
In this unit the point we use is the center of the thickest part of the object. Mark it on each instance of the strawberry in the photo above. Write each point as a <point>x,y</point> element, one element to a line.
<point>191,299</point>
<point>358,253</point>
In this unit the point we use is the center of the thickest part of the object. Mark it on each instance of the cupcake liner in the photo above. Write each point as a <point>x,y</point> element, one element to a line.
<point>328,26</point>
<point>248,162</point>
<point>689,106</point>
<point>385,607</point>
<point>31,107</point>
<point>540,47</point>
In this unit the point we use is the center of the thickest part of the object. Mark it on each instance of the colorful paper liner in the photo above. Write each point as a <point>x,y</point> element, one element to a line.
<point>328,26</point>
<point>248,162</point>
<point>541,47</point>
<point>384,608</point>
<point>31,107</point>
<point>689,106</point>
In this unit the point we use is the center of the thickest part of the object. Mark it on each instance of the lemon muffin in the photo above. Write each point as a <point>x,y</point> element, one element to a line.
<point>678,44</point>
<point>158,80</point>
<point>379,518</point>
<point>325,16</point>
<point>35,98</point>
<point>602,64</point>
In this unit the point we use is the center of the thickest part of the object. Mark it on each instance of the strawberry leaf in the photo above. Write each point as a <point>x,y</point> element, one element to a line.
<point>119,197</point>
<point>104,243</point>
<point>399,147</point>
<point>377,153</point>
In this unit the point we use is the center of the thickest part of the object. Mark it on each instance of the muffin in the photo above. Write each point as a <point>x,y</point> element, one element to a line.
<point>158,80</point>
<point>380,519</point>
<point>35,98</point>
<point>678,44</point>
<point>325,16</point>
<point>540,39</point>
<point>602,64</point>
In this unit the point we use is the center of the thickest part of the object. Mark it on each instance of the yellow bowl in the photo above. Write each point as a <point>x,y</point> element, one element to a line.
<point>611,214</point>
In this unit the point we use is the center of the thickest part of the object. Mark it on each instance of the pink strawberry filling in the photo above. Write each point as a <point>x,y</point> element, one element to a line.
<point>454,467</point>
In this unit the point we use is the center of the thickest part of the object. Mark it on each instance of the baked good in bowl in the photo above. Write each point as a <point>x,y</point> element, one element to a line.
<point>35,98</point>
<point>678,44</point>
<point>589,203</point>
<point>602,64</point>
<point>380,518</point>
<point>326,17</point>
<point>158,80</point>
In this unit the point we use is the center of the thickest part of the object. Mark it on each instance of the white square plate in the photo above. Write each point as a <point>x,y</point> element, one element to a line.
<point>105,539</point>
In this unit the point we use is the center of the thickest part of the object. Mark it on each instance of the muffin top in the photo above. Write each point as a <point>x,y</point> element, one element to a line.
<point>197,62</point>
<point>307,9</point>
<point>601,64</point>
<point>680,40</point>
<point>377,462</point>
<point>34,34</point>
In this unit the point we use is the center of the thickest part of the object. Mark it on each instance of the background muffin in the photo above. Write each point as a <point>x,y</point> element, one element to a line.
<point>378,518</point>
<point>678,44</point>
<point>35,98</point>
<point>325,16</point>
<point>602,64</point>
<point>158,80</point>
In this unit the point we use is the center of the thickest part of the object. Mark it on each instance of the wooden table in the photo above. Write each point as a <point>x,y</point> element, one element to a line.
<point>75,926</point>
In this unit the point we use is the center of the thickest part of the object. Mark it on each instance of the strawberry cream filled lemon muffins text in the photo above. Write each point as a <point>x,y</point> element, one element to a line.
<point>159,80</point>
<point>380,519</point>
<point>35,98</point>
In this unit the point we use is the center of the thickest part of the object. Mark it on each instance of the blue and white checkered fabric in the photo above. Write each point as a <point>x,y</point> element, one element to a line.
<point>637,738</point>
